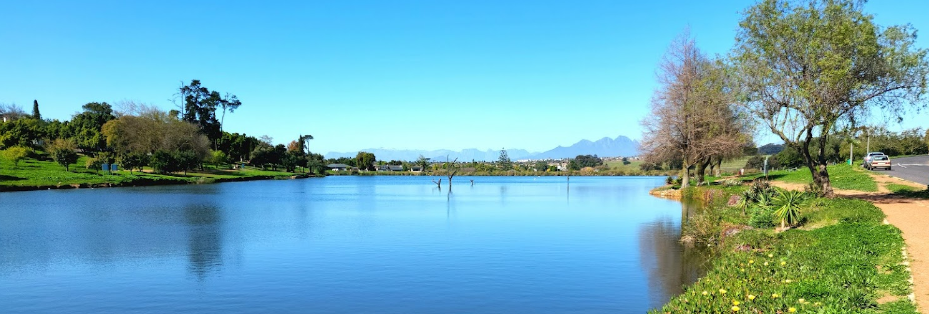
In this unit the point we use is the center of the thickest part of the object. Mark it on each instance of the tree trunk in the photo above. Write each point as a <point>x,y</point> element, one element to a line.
<point>701,171</point>
<point>821,178</point>
<point>685,174</point>
<point>817,166</point>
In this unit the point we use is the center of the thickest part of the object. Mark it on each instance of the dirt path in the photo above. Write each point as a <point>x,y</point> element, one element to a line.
<point>911,216</point>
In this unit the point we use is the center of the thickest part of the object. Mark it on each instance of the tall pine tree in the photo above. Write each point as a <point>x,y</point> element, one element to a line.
<point>35,110</point>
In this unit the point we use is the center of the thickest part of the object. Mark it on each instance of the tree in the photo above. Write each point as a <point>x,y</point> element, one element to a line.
<point>807,69</point>
<point>262,155</point>
<point>14,154</point>
<point>218,158</point>
<point>231,103</point>
<point>63,152</point>
<point>504,161</point>
<point>199,107</point>
<point>164,162</point>
<point>423,162</point>
<point>25,132</point>
<point>692,119</point>
<point>540,165</point>
<point>10,112</point>
<point>149,130</point>
<point>305,142</point>
<point>35,110</point>
<point>582,161</point>
<point>133,160</point>
<point>365,161</point>
<point>86,126</point>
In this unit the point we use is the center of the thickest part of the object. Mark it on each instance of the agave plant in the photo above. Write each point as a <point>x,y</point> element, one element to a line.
<point>788,207</point>
<point>746,199</point>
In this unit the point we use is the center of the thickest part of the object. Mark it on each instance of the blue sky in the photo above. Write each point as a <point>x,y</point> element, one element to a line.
<point>376,74</point>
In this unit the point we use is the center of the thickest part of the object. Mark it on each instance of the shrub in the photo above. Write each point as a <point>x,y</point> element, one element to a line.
<point>761,217</point>
<point>15,154</point>
<point>788,207</point>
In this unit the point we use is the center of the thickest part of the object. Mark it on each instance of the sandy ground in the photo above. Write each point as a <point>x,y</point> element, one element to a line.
<point>911,216</point>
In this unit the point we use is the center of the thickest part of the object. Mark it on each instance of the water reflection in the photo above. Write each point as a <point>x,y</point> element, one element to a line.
<point>204,241</point>
<point>670,264</point>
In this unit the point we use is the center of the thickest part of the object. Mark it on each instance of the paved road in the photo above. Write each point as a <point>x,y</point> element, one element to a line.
<point>915,169</point>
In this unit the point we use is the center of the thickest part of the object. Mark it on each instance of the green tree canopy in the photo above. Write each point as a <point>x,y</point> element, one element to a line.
<point>806,68</point>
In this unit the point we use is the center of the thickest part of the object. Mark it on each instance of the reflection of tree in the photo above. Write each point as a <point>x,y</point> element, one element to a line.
<point>205,239</point>
<point>670,265</point>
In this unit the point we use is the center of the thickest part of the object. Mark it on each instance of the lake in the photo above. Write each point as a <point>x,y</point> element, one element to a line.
<point>346,245</point>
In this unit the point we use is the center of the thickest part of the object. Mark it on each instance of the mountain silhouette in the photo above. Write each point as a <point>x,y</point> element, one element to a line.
<point>605,147</point>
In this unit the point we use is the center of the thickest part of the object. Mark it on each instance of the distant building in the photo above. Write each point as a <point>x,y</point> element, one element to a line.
<point>416,169</point>
<point>395,168</point>
<point>337,167</point>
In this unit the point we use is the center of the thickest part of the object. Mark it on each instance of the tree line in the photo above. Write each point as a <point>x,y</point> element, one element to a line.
<point>807,71</point>
<point>140,136</point>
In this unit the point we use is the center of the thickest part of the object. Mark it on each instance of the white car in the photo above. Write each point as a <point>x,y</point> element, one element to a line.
<point>867,157</point>
<point>878,161</point>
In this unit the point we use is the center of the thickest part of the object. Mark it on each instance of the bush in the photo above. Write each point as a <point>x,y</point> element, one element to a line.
<point>761,217</point>
<point>14,154</point>
<point>164,162</point>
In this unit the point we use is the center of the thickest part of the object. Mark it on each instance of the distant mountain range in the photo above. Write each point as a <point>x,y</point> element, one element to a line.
<point>605,147</point>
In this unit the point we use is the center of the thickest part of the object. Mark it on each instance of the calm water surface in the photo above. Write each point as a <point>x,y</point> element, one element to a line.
<point>345,245</point>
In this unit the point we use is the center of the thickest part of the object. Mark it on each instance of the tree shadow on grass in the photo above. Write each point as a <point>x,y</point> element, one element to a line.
<point>10,178</point>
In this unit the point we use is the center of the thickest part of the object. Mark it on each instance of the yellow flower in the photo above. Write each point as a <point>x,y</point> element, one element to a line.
<point>735,308</point>
<point>751,297</point>
<point>734,302</point>
<point>766,263</point>
<point>783,263</point>
<point>801,301</point>
<point>792,310</point>
<point>705,293</point>
<point>723,291</point>
<point>775,295</point>
<point>751,261</point>
<point>770,255</point>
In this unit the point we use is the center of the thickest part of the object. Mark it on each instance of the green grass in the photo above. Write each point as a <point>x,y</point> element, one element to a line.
<point>844,264</point>
<point>32,173</point>
<point>908,191</point>
<point>842,176</point>
<point>618,165</point>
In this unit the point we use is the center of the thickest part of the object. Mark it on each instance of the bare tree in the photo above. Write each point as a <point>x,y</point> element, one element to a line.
<point>692,116</point>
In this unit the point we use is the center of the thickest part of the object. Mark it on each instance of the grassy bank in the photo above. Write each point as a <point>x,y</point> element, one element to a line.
<point>32,174</point>
<point>840,259</point>
<point>842,176</point>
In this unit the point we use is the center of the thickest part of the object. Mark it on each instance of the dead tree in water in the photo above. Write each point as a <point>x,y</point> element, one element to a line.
<point>439,183</point>
<point>449,171</point>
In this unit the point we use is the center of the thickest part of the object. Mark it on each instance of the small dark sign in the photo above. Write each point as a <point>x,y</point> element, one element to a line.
<point>113,167</point>
<point>105,167</point>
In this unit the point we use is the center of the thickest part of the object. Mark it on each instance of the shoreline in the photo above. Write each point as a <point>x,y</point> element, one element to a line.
<point>907,262</point>
<point>150,182</point>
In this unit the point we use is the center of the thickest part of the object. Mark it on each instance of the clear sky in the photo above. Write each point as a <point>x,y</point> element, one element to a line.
<point>376,74</point>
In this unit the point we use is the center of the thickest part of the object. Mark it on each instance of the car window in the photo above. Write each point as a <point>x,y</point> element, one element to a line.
<point>880,157</point>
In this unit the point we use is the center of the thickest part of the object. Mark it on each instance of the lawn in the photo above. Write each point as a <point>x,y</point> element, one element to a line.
<point>842,176</point>
<point>37,173</point>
